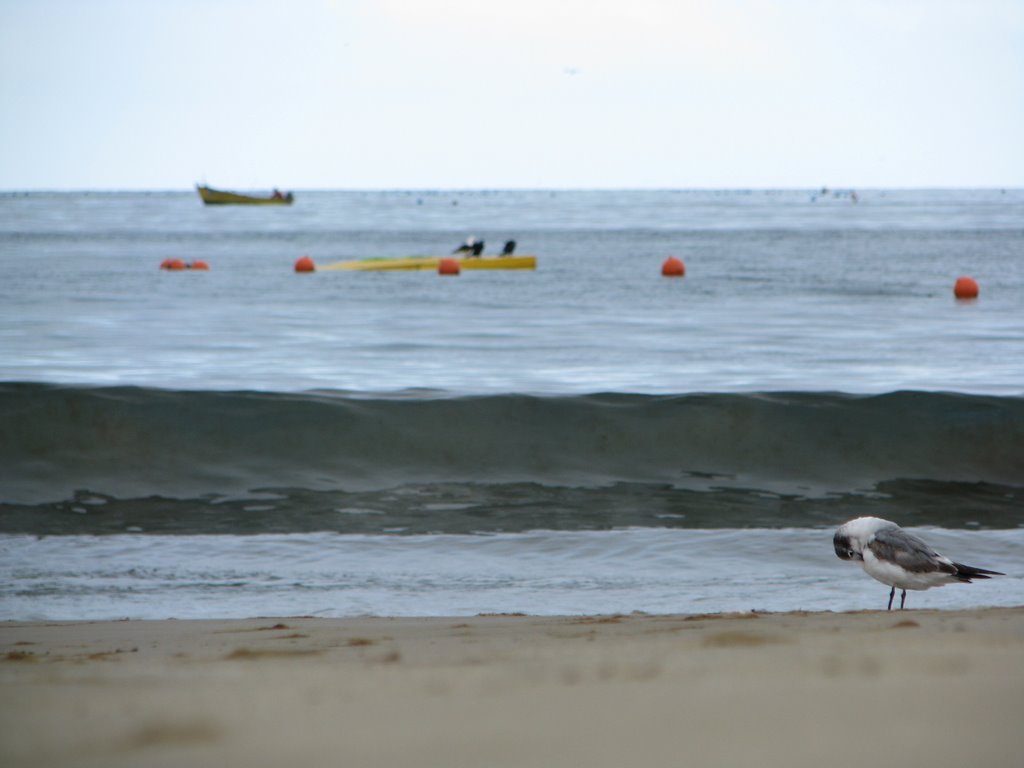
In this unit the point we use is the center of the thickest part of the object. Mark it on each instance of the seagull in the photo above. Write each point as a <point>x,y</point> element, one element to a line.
<point>897,558</point>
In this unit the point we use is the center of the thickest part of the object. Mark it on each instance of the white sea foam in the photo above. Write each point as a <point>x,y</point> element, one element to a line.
<point>536,572</point>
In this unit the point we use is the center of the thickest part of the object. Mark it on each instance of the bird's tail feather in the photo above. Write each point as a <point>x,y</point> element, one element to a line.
<point>968,572</point>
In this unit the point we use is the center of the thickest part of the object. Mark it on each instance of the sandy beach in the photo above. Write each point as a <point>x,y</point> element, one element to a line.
<point>908,688</point>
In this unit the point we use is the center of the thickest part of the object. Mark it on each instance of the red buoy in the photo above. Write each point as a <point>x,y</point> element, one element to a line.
<point>198,264</point>
<point>673,267</point>
<point>448,266</point>
<point>305,264</point>
<point>965,288</point>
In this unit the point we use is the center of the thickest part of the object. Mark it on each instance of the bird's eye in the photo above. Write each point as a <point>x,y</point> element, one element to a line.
<point>849,553</point>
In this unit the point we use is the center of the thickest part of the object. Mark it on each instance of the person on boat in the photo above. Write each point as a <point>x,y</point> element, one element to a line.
<point>467,246</point>
<point>510,246</point>
<point>277,195</point>
<point>478,248</point>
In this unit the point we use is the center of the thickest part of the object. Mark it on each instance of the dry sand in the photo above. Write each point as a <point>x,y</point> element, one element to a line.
<point>911,688</point>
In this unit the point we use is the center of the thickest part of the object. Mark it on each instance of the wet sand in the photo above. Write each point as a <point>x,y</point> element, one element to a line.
<point>911,688</point>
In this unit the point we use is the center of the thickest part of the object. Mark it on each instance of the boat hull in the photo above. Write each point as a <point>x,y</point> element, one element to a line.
<point>218,197</point>
<point>432,262</point>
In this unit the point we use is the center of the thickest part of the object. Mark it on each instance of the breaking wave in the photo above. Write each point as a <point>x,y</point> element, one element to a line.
<point>103,459</point>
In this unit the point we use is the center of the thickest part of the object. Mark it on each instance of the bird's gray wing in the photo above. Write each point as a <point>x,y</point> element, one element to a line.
<point>907,551</point>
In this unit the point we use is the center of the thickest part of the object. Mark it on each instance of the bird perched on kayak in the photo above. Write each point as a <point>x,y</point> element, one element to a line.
<point>471,246</point>
<point>900,559</point>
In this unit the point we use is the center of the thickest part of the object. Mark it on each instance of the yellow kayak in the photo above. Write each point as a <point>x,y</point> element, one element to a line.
<point>431,262</point>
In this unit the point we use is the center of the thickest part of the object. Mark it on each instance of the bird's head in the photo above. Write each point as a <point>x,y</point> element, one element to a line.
<point>853,536</point>
<point>846,547</point>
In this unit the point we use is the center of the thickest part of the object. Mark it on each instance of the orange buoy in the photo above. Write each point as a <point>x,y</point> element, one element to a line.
<point>965,288</point>
<point>198,264</point>
<point>673,267</point>
<point>174,264</point>
<point>305,264</point>
<point>448,266</point>
<point>165,264</point>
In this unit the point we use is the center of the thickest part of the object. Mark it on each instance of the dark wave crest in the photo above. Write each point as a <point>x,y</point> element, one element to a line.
<point>147,458</point>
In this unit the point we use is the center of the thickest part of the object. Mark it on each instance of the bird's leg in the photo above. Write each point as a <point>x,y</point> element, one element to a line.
<point>903,598</point>
<point>892,594</point>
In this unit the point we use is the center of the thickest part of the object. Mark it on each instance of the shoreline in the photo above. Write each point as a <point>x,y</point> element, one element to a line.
<point>789,689</point>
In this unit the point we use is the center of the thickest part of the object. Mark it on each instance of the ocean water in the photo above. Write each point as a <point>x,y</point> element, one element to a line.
<point>588,437</point>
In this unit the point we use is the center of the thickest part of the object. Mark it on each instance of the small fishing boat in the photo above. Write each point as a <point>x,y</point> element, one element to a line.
<point>432,262</point>
<point>219,197</point>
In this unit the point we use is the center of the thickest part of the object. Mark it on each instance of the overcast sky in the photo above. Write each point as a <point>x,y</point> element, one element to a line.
<point>160,94</point>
